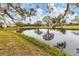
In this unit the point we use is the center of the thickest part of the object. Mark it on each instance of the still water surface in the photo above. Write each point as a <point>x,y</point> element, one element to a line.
<point>69,36</point>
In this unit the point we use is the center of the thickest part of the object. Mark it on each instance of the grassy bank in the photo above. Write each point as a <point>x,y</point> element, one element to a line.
<point>41,45</point>
<point>66,27</point>
<point>69,27</point>
<point>12,43</point>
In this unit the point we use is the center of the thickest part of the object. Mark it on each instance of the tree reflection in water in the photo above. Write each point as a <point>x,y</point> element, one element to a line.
<point>77,50</point>
<point>61,45</point>
<point>38,23</point>
<point>75,32</point>
<point>38,31</point>
<point>48,36</point>
<point>62,31</point>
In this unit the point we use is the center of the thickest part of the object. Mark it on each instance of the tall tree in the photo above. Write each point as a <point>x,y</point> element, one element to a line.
<point>60,18</point>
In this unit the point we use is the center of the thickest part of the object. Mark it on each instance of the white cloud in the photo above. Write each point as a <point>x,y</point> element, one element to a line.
<point>39,11</point>
<point>52,4</point>
<point>70,17</point>
<point>33,19</point>
<point>38,16</point>
<point>56,11</point>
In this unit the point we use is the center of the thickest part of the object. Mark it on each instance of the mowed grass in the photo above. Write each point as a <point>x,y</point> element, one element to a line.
<point>70,27</point>
<point>15,44</point>
<point>66,27</point>
<point>11,44</point>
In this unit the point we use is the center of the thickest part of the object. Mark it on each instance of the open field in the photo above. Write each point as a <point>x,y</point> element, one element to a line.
<point>74,27</point>
<point>12,43</point>
<point>67,27</point>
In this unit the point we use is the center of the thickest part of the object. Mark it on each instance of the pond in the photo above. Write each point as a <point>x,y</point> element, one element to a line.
<point>70,37</point>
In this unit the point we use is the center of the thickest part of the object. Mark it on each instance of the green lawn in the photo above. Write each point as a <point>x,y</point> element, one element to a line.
<point>69,27</point>
<point>12,43</point>
<point>74,27</point>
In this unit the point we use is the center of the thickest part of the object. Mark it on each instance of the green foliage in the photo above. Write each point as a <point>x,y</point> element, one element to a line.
<point>49,36</point>
<point>20,24</point>
<point>38,22</point>
<point>51,50</point>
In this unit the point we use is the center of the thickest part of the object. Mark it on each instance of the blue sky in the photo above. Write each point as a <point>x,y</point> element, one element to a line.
<point>43,6</point>
<point>58,9</point>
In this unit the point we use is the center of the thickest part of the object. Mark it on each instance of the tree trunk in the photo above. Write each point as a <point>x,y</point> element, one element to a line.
<point>38,30</point>
<point>65,11</point>
<point>20,12</point>
<point>58,21</point>
<point>48,30</point>
<point>11,17</point>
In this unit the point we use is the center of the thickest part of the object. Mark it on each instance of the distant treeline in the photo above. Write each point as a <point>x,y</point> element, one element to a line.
<point>55,24</point>
<point>77,24</point>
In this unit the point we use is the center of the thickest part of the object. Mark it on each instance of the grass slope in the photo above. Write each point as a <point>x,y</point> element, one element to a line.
<point>70,27</point>
<point>16,44</point>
